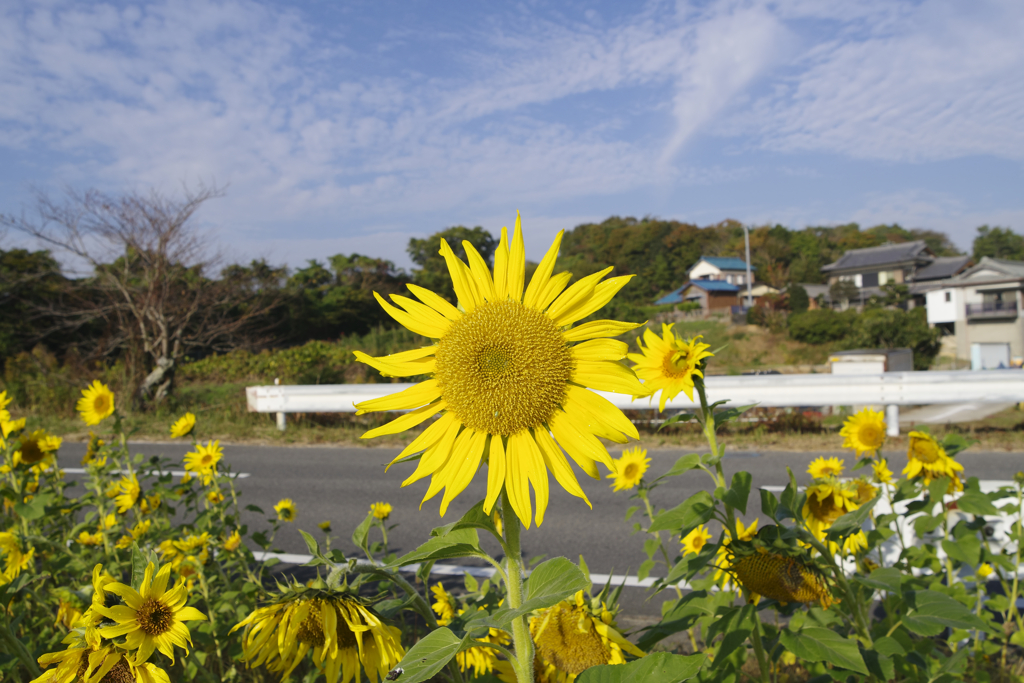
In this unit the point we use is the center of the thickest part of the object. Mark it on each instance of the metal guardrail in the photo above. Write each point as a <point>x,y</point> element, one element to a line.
<point>992,309</point>
<point>890,389</point>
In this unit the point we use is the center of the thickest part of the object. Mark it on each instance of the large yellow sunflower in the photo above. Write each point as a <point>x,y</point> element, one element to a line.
<point>928,460</point>
<point>669,363</point>
<point>96,404</point>
<point>341,631</point>
<point>151,618</point>
<point>508,378</point>
<point>864,431</point>
<point>629,469</point>
<point>571,637</point>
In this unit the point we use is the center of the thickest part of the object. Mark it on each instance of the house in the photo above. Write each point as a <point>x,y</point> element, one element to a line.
<point>714,296</point>
<point>720,268</point>
<point>980,308</point>
<point>873,267</point>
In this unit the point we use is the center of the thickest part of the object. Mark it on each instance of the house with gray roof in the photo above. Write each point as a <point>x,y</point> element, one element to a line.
<point>980,308</point>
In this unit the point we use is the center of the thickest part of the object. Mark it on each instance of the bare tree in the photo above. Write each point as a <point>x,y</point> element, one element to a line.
<point>150,280</point>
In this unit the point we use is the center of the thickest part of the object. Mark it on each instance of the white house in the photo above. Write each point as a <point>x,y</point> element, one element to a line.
<point>725,268</point>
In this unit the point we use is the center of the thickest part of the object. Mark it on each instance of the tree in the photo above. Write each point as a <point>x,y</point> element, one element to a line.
<point>998,243</point>
<point>843,290</point>
<point>29,281</point>
<point>149,282</point>
<point>889,328</point>
<point>798,299</point>
<point>433,272</point>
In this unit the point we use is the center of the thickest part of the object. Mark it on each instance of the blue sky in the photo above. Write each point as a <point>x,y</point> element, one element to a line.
<point>352,126</point>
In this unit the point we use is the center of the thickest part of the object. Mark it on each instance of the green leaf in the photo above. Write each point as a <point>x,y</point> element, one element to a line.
<point>695,510</point>
<point>879,665</point>
<point>883,579</point>
<point>630,511</point>
<point>35,508</point>
<point>937,490</point>
<point>475,518</point>
<point>658,667</point>
<point>890,647</point>
<point>724,416</point>
<point>976,503</point>
<point>823,645</point>
<point>550,583</point>
<point>926,524</point>
<point>769,503</point>
<point>311,544</point>
<point>955,663</point>
<point>851,522</point>
<point>429,655</point>
<point>933,611</point>
<point>739,491</point>
<point>139,565</point>
<point>690,565</point>
<point>683,465</point>
<point>966,550</point>
<point>645,569</point>
<point>681,417</point>
<point>735,625</point>
<point>362,532</point>
<point>459,543</point>
<point>680,617</point>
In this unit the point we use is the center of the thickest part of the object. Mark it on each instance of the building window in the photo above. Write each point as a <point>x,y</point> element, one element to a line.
<point>949,297</point>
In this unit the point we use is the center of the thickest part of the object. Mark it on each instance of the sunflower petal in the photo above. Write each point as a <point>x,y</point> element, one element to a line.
<point>577,294</point>
<point>583,448</point>
<point>427,438</point>
<point>420,324</point>
<point>406,421</point>
<point>435,301</point>
<point>426,314</point>
<point>517,484</point>
<point>462,279</point>
<point>540,276</point>
<point>436,455</point>
<point>600,349</point>
<point>516,263</point>
<point>599,328</point>
<point>467,463</point>
<point>501,267</point>
<point>400,368</point>
<point>556,283</point>
<point>559,466</point>
<point>481,274</point>
<point>602,294</point>
<point>606,375</point>
<point>495,472</point>
<point>413,397</point>
<point>603,409</point>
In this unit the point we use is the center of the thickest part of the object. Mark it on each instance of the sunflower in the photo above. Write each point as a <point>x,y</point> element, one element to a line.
<point>36,448</point>
<point>508,378</point>
<point>69,609</point>
<point>100,581</point>
<point>381,510</point>
<point>325,526</point>
<point>215,497</point>
<point>822,467</point>
<point>668,363</point>
<point>17,556</point>
<point>571,637</point>
<point>444,605</point>
<point>203,461</point>
<point>92,451</point>
<point>696,540</point>
<point>342,632</point>
<point>232,542</point>
<point>629,469</point>
<point>785,579</point>
<point>85,538</point>
<point>865,491</point>
<point>128,492</point>
<point>928,460</point>
<point>286,510</point>
<point>864,431</point>
<point>8,426</point>
<point>90,659</point>
<point>481,659</point>
<point>96,404</point>
<point>150,503</point>
<point>883,475</point>
<point>724,555</point>
<point>151,618</point>
<point>183,426</point>
<point>827,501</point>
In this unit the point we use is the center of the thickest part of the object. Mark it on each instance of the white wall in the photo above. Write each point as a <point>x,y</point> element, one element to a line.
<point>704,269</point>
<point>942,311</point>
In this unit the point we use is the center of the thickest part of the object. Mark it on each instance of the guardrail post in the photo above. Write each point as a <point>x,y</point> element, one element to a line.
<point>892,420</point>
<point>282,423</point>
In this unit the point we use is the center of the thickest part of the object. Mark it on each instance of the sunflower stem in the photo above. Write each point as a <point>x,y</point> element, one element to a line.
<point>523,662</point>
<point>762,660</point>
<point>16,646</point>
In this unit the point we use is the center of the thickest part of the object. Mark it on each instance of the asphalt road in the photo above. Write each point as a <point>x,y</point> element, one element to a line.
<point>340,484</point>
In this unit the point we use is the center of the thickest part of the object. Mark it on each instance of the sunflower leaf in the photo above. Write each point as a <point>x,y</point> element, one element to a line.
<point>824,645</point>
<point>738,492</point>
<point>475,518</point>
<point>932,612</point>
<point>362,532</point>
<point>659,667</point>
<point>549,584</point>
<point>692,512</point>
<point>680,617</point>
<point>138,566</point>
<point>683,465</point>
<point>851,521</point>
<point>428,656</point>
<point>679,417</point>
<point>458,543</point>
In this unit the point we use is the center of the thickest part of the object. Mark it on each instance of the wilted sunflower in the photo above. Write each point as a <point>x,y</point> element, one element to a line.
<point>571,637</point>
<point>509,377</point>
<point>696,540</point>
<point>151,618</point>
<point>865,491</point>
<point>669,363</point>
<point>183,426</point>
<point>785,579</point>
<point>724,555</point>
<point>90,659</point>
<point>36,447</point>
<point>342,632</point>
<point>827,501</point>
<point>286,510</point>
<point>928,460</point>
<point>629,469</point>
<point>381,510</point>
<point>825,467</point>
<point>17,555</point>
<point>203,461</point>
<point>128,492</point>
<point>864,431</point>
<point>96,404</point>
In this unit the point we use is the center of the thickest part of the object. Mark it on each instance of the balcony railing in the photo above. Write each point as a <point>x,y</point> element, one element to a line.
<point>993,309</point>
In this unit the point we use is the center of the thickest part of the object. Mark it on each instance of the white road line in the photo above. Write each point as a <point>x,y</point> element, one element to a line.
<point>478,572</point>
<point>176,473</point>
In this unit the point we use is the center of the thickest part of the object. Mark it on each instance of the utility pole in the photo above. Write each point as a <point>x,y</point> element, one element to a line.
<point>746,239</point>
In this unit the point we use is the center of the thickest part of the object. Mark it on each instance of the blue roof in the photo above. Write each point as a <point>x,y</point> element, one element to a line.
<point>676,296</point>
<point>727,262</point>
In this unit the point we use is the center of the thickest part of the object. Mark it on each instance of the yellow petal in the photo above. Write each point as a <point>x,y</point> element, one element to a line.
<point>578,293</point>
<point>391,368</point>
<point>538,475</point>
<point>516,263</point>
<point>443,474</point>
<point>601,349</point>
<point>495,472</point>
<point>606,375</point>
<point>425,326</point>
<point>424,313</point>
<point>406,421</point>
<point>463,468</point>
<point>540,276</point>
<point>501,267</point>
<point>602,409</point>
<point>599,328</point>
<point>602,294</point>
<point>559,466</point>
<point>556,283</point>
<point>413,397</point>
<point>478,268</point>
<point>462,279</point>
<point>427,438</point>
<point>435,301</point>
<point>517,482</point>
<point>582,447</point>
<point>436,455</point>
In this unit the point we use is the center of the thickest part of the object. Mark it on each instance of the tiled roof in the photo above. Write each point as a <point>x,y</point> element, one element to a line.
<point>727,262</point>
<point>1010,268</point>
<point>881,256</point>
<point>676,296</point>
<point>942,268</point>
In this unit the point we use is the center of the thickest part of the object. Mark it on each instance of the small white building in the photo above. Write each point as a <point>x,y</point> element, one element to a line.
<point>724,268</point>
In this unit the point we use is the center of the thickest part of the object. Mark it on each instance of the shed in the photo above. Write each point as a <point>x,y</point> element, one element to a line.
<point>871,361</point>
